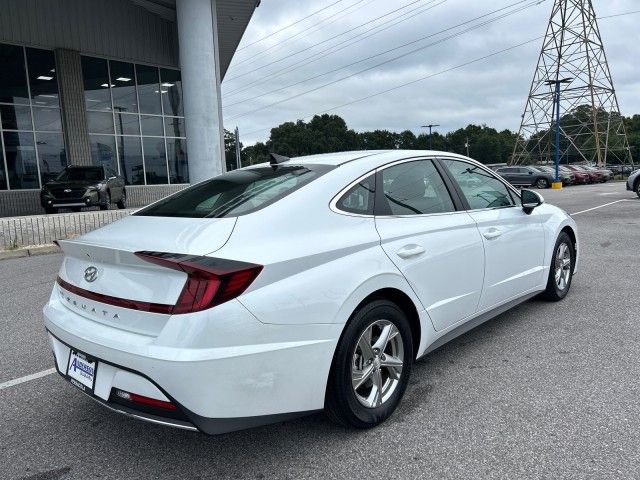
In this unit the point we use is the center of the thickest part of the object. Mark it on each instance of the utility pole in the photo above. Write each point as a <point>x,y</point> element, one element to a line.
<point>430,126</point>
<point>593,129</point>
<point>238,159</point>
<point>557,84</point>
<point>466,145</point>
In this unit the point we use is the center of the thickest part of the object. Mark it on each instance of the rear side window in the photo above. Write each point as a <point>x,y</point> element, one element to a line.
<point>359,198</point>
<point>236,193</point>
<point>414,188</point>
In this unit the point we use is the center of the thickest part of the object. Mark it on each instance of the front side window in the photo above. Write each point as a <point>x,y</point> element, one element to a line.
<point>414,188</point>
<point>480,188</point>
<point>236,193</point>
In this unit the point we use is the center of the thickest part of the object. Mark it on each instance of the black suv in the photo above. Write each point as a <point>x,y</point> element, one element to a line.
<point>78,187</point>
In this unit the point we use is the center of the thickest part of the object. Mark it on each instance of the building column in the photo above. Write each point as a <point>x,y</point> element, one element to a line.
<point>74,112</point>
<point>200,66</point>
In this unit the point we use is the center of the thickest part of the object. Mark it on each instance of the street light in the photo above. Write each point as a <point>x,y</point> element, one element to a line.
<point>557,84</point>
<point>430,126</point>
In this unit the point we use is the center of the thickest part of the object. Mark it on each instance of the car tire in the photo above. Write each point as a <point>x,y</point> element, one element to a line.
<point>107,202</point>
<point>638,188</point>
<point>123,200</point>
<point>360,406</point>
<point>561,271</point>
<point>542,183</point>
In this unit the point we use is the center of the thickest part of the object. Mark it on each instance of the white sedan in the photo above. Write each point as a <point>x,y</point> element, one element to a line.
<point>301,285</point>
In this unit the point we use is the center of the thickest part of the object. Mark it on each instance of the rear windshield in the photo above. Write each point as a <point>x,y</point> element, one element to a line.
<point>81,174</point>
<point>236,193</point>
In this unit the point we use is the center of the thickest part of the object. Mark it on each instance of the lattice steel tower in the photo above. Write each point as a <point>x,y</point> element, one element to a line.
<point>591,126</point>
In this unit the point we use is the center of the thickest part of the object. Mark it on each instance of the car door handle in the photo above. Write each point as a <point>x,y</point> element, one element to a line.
<point>492,234</point>
<point>410,251</point>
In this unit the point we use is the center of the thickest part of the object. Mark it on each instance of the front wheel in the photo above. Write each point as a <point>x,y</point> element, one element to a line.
<point>371,366</point>
<point>107,202</point>
<point>123,200</point>
<point>561,271</point>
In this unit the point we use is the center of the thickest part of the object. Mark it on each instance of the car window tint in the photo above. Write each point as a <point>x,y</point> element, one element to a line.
<point>359,198</point>
<point>480,188</point>
<point>415,188</point>
<point>236,193</point>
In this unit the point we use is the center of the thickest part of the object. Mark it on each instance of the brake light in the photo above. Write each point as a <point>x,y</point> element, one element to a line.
<point>142,400</point>
<point>210,281</point>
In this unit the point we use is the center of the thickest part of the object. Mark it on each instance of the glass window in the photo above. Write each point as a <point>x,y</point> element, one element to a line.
<point>47,119</point>
<point>82,174</point>
<point>131,160</point>
<point>236,193</point>
<point>151,125</point>
<point>414,188</point>
<point>3,174</point>
<point>95,75</point>
<point>13,77</point>
<point>21,160</point>
<point>174,127</point>
<point>103,150</point>
<point>123,87</point>
<point>171,92</point>
<point>100,122</point>
<point>155,160</point>
<point>51,155</point>
<point>15,117</point>
<point>481,188</point>
<point>42,77</point>
<point>127,124</point>
<point>359,199</point>
<point>177,158</point>
<point>148,89</point>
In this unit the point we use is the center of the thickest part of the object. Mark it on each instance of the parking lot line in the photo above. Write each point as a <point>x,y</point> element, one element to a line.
<point>600,206</point>
<point>27,378</point>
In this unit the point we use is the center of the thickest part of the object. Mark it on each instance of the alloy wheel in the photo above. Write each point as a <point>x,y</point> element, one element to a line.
<point>563,266</point>
<point>377,363</point>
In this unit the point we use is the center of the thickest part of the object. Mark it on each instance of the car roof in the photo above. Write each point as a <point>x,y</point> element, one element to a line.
<point>366,156</point>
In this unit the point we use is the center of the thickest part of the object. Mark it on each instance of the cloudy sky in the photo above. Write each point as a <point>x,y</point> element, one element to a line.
<point>289,67</point>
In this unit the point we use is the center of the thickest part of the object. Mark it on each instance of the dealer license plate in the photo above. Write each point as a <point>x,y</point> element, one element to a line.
<point>81,370</point>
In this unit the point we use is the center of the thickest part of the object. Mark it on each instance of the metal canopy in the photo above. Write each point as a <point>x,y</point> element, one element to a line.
<point>233,18</point>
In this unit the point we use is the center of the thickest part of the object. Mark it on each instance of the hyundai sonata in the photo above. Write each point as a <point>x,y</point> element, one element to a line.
<point>298,285</point>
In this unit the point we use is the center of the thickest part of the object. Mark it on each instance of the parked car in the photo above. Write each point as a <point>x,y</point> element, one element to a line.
<point>566,178</point>
<point>526,176</point>
<point>605,173</point>
<point>283,288</point>
<point>78,187</point>
<point>593,177</point>
<point>633,182</point>
<point>579,177</point>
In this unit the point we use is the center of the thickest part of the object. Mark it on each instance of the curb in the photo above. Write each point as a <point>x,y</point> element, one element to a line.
<point>29,252</point>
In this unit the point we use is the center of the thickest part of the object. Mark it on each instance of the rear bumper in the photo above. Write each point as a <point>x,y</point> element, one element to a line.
<point>275,373</point>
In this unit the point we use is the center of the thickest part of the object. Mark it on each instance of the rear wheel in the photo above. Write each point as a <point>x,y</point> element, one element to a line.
<point>542,183</point>
<point>371,366</point>
<point>561,271</point>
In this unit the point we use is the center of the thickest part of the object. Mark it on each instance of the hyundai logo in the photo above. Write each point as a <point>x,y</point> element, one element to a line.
<point>90,274</point>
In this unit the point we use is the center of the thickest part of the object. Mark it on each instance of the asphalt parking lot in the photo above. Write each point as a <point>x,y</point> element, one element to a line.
<point>542,391</point>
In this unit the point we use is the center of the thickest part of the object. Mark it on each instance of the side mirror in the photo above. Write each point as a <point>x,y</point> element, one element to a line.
<point>530,200</point>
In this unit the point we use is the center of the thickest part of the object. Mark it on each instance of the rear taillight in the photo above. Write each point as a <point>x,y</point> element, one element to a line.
<point>142,400</point>
<point>210,281</point>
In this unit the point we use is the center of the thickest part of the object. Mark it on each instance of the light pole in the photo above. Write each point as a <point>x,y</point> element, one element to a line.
<point>557,84</point>
<point>430,126</point>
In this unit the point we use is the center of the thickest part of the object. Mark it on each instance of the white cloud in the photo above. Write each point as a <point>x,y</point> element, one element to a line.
<point>492,91</point>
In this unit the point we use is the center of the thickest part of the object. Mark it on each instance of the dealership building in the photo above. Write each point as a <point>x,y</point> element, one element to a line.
<point>130,84</point>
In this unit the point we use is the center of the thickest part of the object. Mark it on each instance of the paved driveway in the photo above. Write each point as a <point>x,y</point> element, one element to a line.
<point>542,391</point>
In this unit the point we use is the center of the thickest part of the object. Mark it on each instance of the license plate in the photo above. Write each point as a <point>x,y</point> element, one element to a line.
<point>81,370</point>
